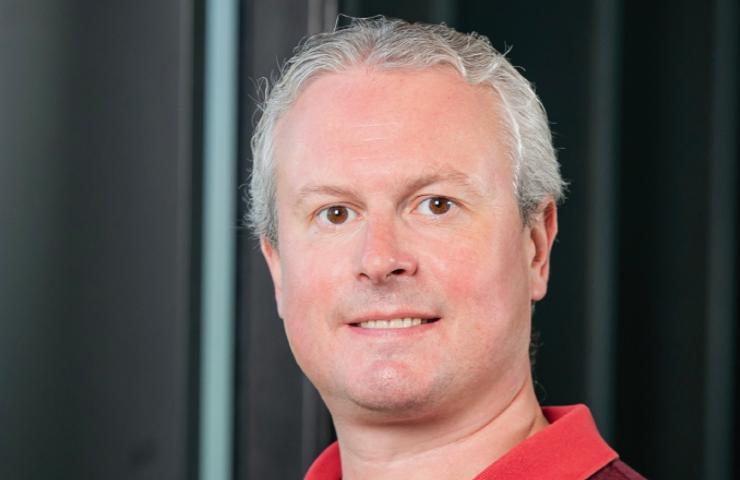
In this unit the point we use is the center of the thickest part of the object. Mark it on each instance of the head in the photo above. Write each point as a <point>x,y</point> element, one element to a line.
<point>404,189</point>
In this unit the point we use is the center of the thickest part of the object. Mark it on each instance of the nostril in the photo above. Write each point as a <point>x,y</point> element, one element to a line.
<point>398,271</point>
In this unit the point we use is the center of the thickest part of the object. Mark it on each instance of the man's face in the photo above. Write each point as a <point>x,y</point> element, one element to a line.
<point>404,273</point>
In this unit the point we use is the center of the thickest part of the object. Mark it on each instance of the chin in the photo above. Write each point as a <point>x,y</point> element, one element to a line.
<point>396,396</point>
<point>392,405</point>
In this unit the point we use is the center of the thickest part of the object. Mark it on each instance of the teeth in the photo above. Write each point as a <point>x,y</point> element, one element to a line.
<point>395,323</point>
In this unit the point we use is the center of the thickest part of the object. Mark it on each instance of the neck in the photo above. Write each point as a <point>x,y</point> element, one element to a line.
<point>459,446</point>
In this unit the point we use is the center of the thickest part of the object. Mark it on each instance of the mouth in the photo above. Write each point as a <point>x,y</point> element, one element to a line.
<point>394,323</point>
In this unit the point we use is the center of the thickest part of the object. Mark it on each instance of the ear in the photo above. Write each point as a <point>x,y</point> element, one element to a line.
<point>542,231</point>
<point>272,257</point>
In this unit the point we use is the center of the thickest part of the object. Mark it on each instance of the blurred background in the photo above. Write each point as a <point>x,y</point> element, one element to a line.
<point>138,337</point>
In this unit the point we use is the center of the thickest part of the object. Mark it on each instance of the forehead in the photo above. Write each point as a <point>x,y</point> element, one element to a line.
<point>371,97</point>
<point>363,120</point>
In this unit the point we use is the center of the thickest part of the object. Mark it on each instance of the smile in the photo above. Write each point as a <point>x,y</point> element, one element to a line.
<point>394,323</point>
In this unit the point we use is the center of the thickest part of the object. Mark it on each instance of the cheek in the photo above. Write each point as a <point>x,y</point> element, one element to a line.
<point>491,271</point>
<point>311,284</point>
<point>312,277</point>
<point>304,291</point>
<point>491,275</point>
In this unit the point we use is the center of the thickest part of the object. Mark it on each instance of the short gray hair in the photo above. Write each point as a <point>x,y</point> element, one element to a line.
<point>383,43</point>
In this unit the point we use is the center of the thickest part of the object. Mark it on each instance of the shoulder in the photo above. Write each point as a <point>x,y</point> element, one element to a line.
<point>616,470</point>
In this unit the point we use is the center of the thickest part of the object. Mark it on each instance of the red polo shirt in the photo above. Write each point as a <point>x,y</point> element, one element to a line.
<point>570,448</point>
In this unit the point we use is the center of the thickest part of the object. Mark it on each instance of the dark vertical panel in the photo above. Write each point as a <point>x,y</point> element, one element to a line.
<point>281,422</point>
<point>409,10</point>
<point>193,67</point>
<point>34,295</point>
<point>663,244</point>
<point>95,261</point>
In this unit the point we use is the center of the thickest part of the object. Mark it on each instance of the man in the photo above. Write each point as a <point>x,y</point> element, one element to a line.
<point>404,190</point>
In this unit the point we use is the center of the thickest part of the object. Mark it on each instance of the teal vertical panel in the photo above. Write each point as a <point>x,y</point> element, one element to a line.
<point>720,404</point>
<point>602,211</point>
<point>219,204</point>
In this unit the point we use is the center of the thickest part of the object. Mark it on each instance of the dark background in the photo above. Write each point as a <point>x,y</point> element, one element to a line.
<point>101,225</point>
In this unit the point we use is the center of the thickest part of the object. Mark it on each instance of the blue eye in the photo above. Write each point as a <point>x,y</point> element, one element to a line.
<point>436,206</point>
<point>337,214</point>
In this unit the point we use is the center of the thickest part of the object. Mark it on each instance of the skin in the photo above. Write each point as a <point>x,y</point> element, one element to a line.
<point>447,398</point>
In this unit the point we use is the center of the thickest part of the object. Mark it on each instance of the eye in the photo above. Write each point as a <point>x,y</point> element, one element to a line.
<point>436,206</point>
<point>336,214</point>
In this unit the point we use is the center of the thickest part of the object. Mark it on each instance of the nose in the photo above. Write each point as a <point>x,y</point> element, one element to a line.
<point>384,257</point>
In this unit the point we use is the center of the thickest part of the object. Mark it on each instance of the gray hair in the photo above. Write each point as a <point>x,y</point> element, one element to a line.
<point>383,43</point>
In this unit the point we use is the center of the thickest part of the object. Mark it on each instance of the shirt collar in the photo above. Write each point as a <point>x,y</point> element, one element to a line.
<point>569,448</point>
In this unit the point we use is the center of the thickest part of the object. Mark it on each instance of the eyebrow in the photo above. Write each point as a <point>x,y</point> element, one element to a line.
<point>453,176</point>
<point>329,190</point>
